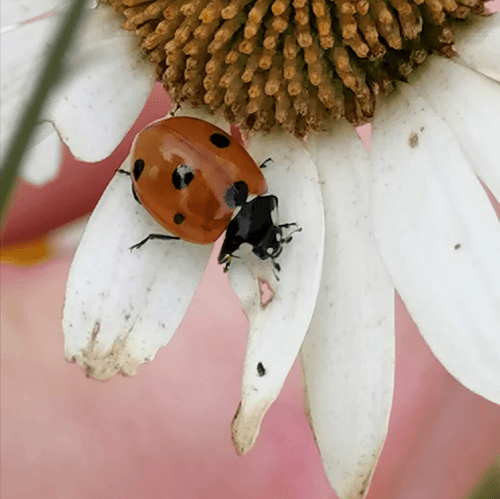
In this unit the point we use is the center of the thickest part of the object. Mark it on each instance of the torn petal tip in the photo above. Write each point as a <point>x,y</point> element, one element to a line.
<point>243,434</point>
<point>240,449</point>
<point>246,426</point>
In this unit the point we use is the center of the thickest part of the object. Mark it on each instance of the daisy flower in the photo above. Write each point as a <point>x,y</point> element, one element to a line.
<point>410,215</point>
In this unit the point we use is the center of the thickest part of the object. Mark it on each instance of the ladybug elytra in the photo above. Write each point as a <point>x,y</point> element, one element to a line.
<point>192,177</point>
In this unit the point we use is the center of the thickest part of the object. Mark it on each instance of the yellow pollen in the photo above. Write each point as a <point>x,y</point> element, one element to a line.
<point>290,63</point>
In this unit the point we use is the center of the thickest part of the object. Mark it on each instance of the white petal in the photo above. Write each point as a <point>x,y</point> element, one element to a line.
<point>478,45</point>
<point>470,105</point>
<point>18,11</point>
<point>439,238</point>
<point>107,86</point>
<point>42,161</point>
<point>22,55</point>
<point>278,328</point>
<point>122,306</point>
<point>348,352</point>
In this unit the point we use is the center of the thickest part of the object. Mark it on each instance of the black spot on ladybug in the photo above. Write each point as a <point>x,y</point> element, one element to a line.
<point>219,140</point>
<point>237,194</point>
<point>182,176</point>
<point>138,168</point>
<point>178,218</point>
<point>260,369</point>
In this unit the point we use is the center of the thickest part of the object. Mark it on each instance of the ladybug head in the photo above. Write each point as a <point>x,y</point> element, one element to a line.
<point>237,194</point>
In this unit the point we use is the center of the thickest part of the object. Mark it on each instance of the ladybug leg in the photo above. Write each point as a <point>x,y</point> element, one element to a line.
<point>172,113</point>
<point>226,261</point>
<point>125,172</point>
<point>266,162</point>
<point>288,238</point>
<point>277,266</point>
<point>292,224</point>
<point>150,238</point>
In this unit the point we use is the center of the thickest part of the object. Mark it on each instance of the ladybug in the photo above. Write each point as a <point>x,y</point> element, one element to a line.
<point>197,181</point>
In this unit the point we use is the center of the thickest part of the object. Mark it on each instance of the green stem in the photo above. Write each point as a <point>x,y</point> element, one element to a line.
<point>20,142</point>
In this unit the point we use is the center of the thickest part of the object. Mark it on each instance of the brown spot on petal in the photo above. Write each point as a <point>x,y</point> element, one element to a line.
<point>233,434</point>
<point>100,364</point>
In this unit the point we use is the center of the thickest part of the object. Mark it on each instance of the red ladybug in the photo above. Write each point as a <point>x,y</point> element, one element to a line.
<point>191,176</point>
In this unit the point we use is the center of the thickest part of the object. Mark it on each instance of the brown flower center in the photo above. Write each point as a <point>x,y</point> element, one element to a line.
<point>292,63</point>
